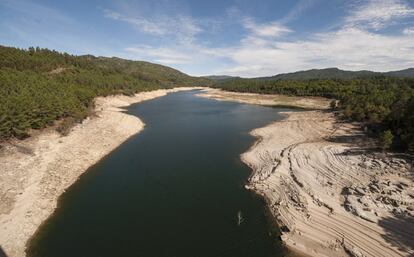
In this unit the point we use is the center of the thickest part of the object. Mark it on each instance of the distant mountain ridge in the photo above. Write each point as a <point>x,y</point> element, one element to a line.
<point>219,77</point>
<point>407,73</point>
<point>335,73</point>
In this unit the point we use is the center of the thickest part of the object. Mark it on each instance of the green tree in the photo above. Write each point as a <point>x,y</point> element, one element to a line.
<point>39,86</point>
<point>385,139</point>
<point>333,104</point>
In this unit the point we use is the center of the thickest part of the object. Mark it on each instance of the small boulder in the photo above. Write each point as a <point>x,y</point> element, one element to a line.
<point>360,190</point>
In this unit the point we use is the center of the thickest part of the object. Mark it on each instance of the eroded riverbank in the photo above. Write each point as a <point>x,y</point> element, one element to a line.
<point>174,189</point>
<point>36,171</point>
<point>329,193</point>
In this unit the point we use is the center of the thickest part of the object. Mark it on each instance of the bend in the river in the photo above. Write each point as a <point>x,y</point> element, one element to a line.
<point>175,189</point>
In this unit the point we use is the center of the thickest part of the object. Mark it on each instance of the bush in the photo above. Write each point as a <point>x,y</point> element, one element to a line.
<point>333,104</point>
<point>66,125</point>
<point>385,139</point>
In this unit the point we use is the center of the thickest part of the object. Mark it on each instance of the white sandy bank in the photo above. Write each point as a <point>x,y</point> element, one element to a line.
<point>267,100</point>
<point>36,171</point>
<point>329,195</point>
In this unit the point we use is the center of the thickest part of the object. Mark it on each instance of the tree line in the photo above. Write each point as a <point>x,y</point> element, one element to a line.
<point>385,104</point>
<point>39,86</point>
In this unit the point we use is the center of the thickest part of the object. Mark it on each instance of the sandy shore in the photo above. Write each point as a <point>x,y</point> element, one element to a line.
<point>267,100</point>
<point>330,196</point>
<point>36,171</point>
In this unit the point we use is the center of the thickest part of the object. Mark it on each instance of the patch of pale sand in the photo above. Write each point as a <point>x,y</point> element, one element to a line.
<point>305,177</point>
<point>36,171</point>
<point>57,70</point>
<point>330,196</point>
<point>267,99</point>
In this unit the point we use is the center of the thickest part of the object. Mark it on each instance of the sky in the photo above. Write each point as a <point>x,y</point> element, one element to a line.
<point>223,37</point>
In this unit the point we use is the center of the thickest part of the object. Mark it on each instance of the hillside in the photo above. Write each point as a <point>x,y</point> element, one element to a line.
<point>335,73</point>
<point>407,73</point>
<point>44,60</point>
<point>220,77</point>
<point>39,86</point>
<point>329,73</point>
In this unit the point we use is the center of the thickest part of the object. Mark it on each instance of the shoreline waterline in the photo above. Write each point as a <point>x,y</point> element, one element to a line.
<point>36,171</point>
<point>305,166</point>
<point>190,144</point>
<point>319,123</point>
<point>294,106</point>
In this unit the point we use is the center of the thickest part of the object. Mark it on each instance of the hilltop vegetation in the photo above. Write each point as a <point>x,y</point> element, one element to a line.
<point>407,73</point>
<point>329,73</point>
<point>335,73</point>
<point>39,86</point>
<point>383,103</point>
<point>220,77</point>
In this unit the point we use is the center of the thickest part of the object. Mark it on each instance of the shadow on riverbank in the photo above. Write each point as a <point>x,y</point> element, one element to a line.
<point>399,232</point>
<point>2,253</point>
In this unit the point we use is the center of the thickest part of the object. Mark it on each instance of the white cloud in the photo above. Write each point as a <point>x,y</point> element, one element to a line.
<point>271,29</point>
<point>160,54</point>
<point>263,50</point>
<point>141,23</point>
<point>351,46</point>
<point>348,48</point>
<point>181,27</point>
<point>377,14</point>
<point>408,31</point>
<point>298,9</point>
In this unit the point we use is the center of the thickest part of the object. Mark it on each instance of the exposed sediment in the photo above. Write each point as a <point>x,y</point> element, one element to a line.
<point>330,195</point>
<point>36,171</point>
<point>267,100</point>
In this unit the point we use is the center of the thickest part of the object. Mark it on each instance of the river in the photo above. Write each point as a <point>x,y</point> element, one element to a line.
<point>173,190</point>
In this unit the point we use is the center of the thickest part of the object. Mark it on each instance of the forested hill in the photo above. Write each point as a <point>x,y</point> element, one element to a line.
<point>385,104</point>
<point>39,86</point>
<point>407,73</point>
<point>335,73</point>
<point>220,77</point>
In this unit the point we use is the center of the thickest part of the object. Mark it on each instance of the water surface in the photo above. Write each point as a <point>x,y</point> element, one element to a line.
<point>173,190</point>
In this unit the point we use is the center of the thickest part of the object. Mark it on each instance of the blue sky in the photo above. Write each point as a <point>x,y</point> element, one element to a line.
<point>234,37</point>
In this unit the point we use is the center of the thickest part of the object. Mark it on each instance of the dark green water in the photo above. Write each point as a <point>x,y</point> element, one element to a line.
<point>173,190</point>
